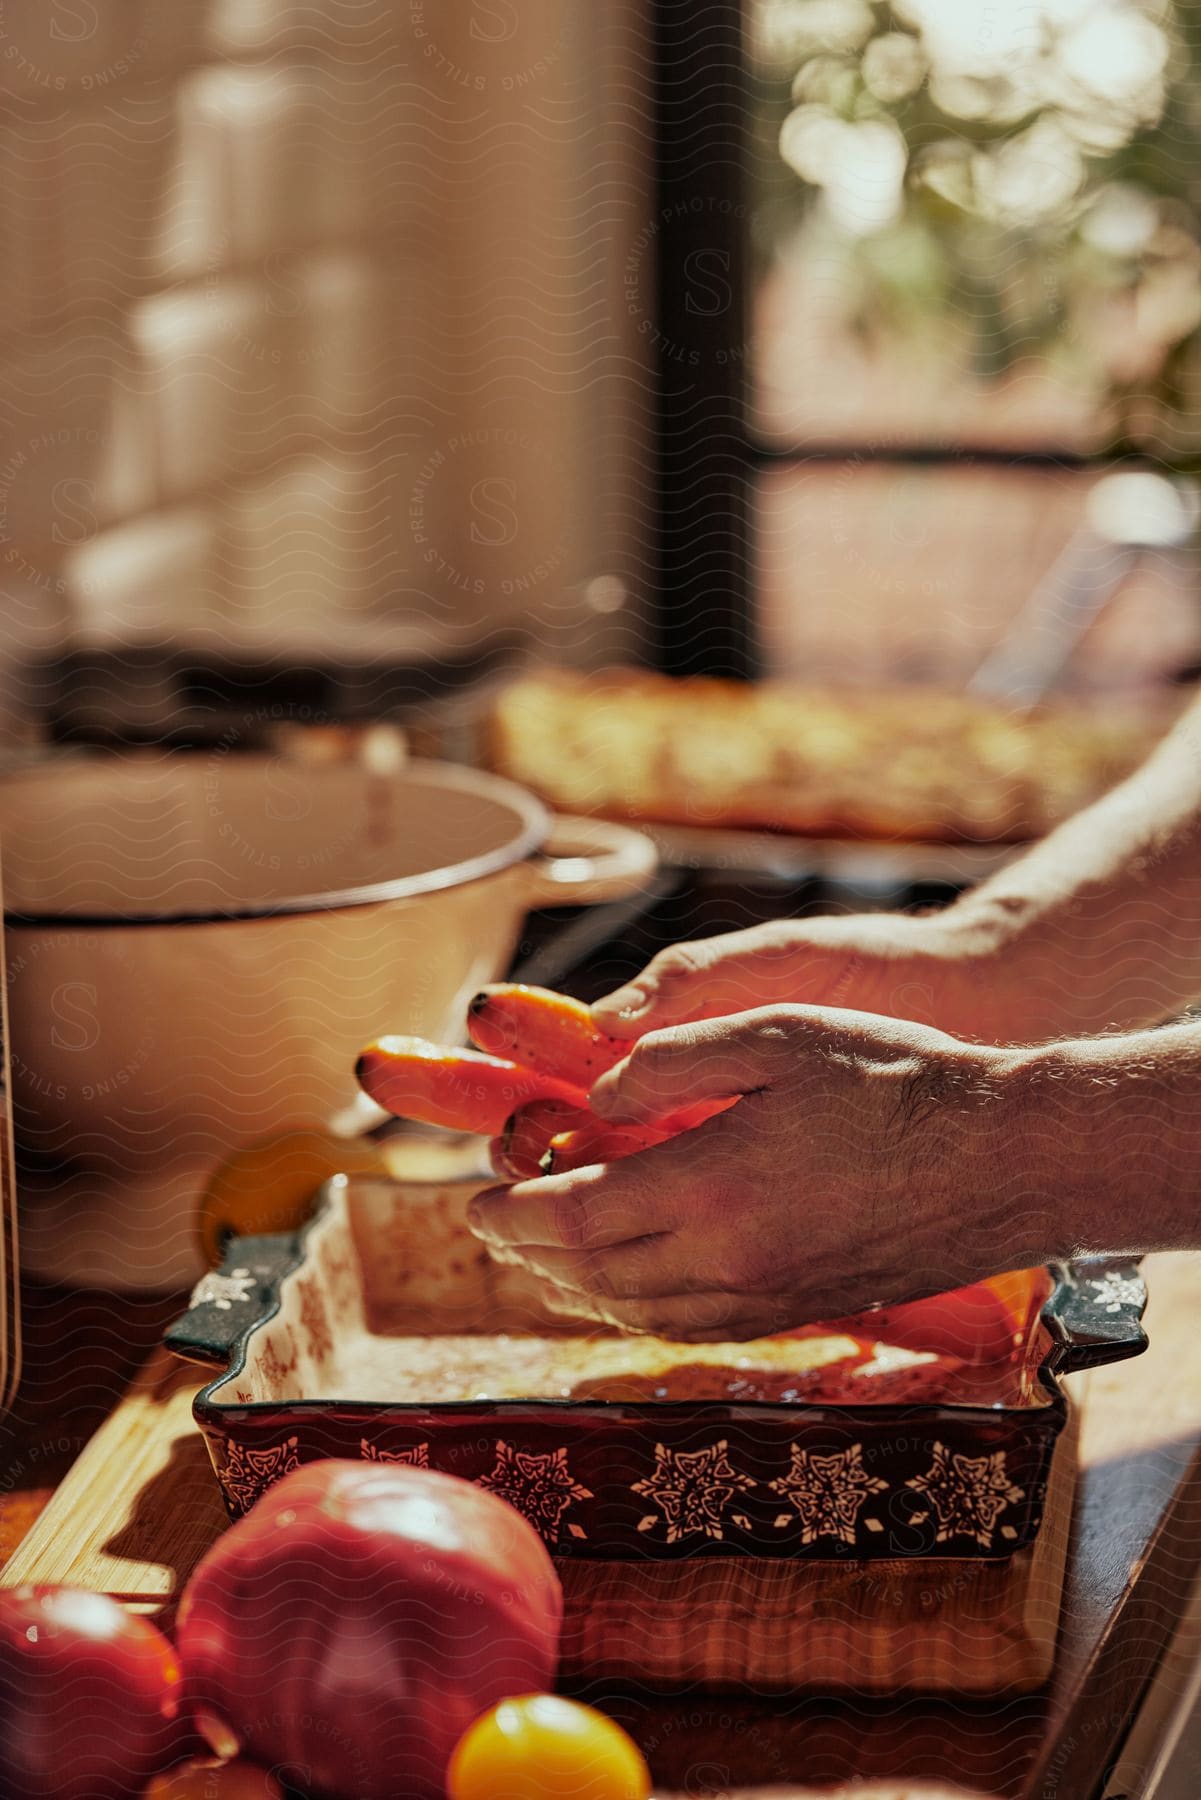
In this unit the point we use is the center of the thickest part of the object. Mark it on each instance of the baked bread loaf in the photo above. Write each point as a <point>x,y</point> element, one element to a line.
<point>901,763</point>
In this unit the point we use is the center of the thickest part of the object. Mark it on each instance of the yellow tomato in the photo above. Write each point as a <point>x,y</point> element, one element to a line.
<point>214,1781</point>
<point>541,1747</point>
<point>269,1186</point>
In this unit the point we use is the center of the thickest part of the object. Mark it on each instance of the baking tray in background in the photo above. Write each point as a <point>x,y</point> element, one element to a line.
<point>854,862</point>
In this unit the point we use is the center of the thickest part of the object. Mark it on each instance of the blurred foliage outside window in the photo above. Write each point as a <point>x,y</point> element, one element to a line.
<point>994,196</point>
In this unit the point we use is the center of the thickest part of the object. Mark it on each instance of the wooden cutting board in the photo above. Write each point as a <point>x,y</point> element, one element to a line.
<point>141,1506</point>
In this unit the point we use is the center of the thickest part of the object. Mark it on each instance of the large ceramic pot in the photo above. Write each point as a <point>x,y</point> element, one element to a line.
<point>199,945</point>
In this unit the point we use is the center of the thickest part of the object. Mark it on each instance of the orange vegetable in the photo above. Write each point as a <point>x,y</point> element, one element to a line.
<point>542,1747</point>
<point>543,1030</point>
<point>526,1137</point>
<point>598,1144</point>
<point>461,1089</point>
<point>270,1185</point>
<point>605,1142</point>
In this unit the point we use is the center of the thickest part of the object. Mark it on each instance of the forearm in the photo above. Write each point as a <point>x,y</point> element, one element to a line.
<point>1105,1143</point>
<point>1101,922</point>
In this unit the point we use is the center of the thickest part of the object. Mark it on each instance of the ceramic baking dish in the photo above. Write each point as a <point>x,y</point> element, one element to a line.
<point>316,1332</point>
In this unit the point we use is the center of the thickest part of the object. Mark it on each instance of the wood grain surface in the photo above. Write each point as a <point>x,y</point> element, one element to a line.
<point>141,1506</point>
<point>770,1625</point>
<point>1135,1550</point>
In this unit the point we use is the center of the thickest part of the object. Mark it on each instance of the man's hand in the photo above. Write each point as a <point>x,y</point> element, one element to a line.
<point>967,970</point>
<point>934,969</point>
<point>867,1161</point>
<point>1097,928</point>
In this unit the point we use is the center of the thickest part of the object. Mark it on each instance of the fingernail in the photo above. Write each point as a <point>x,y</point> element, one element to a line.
<point>626,1003</point>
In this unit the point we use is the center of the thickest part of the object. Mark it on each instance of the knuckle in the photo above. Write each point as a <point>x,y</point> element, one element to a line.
<point>570,1222</point>
<point>561,1302</point>
<point>637,1211</point>
<point>650,1055</point>
<point>680,963</point>
<point>651,1070</point>
<point>731,1267</point>
<point>775,1028</point>
<point>594,1279</point>
<point>659,1323</point>
<point>770,1037</point>
<point>728,1272</point>
<point>772,941</point>
<point>642,1315</point>
<point>638,1278</point>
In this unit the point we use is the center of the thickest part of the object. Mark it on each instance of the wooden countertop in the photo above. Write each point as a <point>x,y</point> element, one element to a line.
<point>1136,1550</point>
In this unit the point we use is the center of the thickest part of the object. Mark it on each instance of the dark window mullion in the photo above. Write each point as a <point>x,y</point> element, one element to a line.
<point>704,610</point>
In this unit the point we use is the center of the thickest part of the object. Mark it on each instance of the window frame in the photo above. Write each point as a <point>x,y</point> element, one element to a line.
<point>707,455</point>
